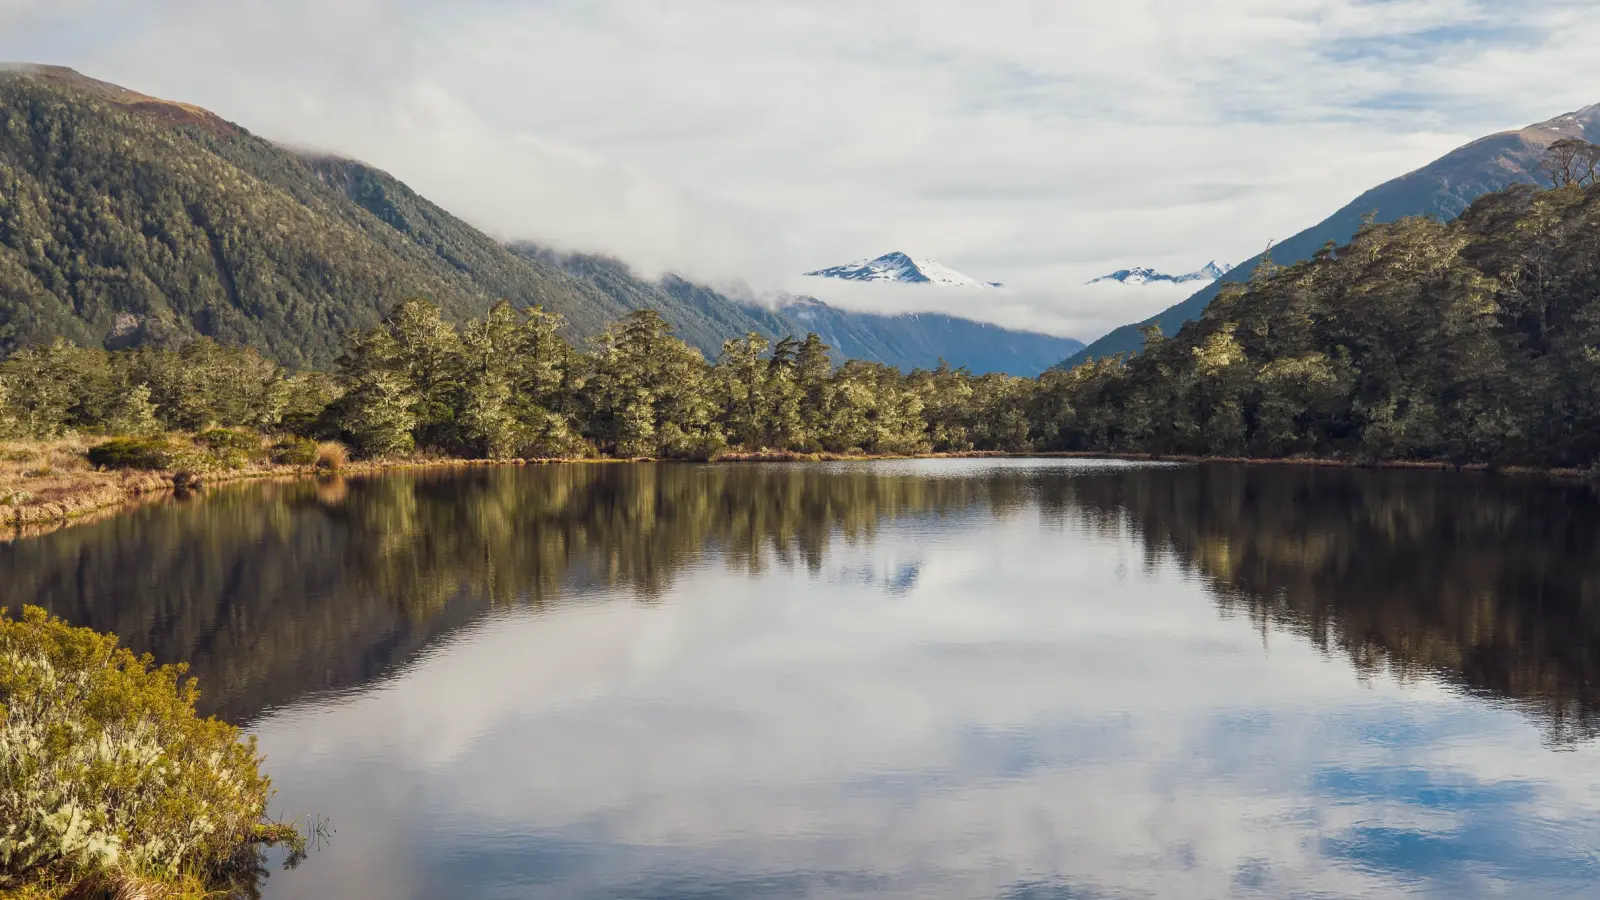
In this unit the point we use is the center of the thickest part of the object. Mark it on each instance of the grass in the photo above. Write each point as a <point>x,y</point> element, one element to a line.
<point>46,480</point>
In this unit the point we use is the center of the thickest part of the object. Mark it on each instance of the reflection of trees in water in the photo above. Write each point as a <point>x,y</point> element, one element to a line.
<point>277,590</point>
<point>1491,583</point>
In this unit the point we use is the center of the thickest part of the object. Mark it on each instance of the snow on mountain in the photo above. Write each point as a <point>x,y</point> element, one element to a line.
<point>905,269</point>
<point>1211,271</point>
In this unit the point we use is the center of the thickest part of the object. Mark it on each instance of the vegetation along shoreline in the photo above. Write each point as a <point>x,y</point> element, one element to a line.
<point>47,498</point>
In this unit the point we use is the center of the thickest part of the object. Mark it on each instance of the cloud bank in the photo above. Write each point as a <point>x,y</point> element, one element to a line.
<point>1039,144</point>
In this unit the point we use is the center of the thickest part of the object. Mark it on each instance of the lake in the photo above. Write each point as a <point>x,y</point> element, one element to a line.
<point>941,678</point>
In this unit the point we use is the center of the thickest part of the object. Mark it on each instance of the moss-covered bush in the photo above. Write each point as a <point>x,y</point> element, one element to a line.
<point>222,440</point>
<point>136,453</point>
<point>105,770</point>
<point>230,449</point>
<point>294,451</point>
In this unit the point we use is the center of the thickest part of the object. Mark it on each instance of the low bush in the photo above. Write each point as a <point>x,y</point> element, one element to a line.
<point>230,449</point>
<point>294,451</point>
<point>135,453</point>
<point>106,772</point>
<point>225,440</point>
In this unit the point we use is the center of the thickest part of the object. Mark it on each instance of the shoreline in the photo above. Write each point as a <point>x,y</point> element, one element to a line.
<point>91,494</point>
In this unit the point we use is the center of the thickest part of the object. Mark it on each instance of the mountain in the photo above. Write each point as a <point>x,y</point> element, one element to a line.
<point>125,219</point>
<point>1211,271</point>
<point>920,340</point>
<point>128,220</point>
<point>905,269</point>
<point>1443,189</point>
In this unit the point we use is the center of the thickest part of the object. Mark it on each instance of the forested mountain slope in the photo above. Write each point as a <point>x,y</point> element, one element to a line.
<point>1474,340</point>
<point>125,220</point>
<point>1441,189</point>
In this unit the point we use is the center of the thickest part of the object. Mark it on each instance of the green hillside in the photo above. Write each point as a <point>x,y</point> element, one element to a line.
<point>1442,190</point>
<point>1473,340</point>
<point>129,220</point>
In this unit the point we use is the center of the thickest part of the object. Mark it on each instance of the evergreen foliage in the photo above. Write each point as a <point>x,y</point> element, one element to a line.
<point>106,769</point>
<point>1472,341</point>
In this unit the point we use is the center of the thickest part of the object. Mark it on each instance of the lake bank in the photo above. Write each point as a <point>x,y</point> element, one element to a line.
<point>45,485</point>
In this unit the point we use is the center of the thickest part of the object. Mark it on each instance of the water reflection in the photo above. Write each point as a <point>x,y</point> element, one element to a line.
<point>922,679</point>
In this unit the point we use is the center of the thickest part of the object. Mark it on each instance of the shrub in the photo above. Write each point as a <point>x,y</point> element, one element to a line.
<point>135,453</point>
<point>332,456</point>
<point>226,440</point>
<point>105,769</point>
<point>295,451</point>
<point>228,448</point>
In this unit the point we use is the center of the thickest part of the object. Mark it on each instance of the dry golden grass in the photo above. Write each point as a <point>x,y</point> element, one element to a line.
<point>49,480</point>
<point>332,456</point>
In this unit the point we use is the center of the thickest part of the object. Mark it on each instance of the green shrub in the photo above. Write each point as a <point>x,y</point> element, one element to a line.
<point>230,449</point>
<point>106,769</point>
<point>294,451</point>
<point>224,440</point>
<point>135,453</point>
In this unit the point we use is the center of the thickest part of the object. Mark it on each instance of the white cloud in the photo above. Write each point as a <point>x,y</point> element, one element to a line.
<point>1034,143</point>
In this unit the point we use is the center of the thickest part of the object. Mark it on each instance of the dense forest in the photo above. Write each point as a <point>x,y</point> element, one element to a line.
<point>1475,340</point>
<point>508,385</point>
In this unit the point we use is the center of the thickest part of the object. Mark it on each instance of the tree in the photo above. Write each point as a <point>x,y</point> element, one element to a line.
<point>379,411</point>
<point>431,356</point>
<point>1572,161</point>
<point>491,350</point>
<point>646,393</point>
<point>742,392</point>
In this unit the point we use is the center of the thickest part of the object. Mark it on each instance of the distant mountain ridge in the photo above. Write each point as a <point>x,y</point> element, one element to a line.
<point>898,267</point>
<point>127,220</point>
<point>1444,188</point>
<point>923,339</point>
<point>1211,271</point>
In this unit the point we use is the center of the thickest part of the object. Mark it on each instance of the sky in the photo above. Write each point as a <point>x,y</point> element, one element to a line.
<point>742,142</point>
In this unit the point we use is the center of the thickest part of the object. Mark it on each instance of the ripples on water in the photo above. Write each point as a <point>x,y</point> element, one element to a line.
<point>947,678</point>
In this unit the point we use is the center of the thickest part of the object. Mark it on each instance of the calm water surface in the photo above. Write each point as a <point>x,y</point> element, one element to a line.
<point>1020,679</point>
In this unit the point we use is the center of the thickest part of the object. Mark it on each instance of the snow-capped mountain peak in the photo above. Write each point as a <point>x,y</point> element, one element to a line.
<point>905,269</point>
<point>1211,271</point>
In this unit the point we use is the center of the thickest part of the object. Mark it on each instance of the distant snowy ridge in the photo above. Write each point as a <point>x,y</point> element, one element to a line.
<point>904,269</point>
<point>1211,271</point>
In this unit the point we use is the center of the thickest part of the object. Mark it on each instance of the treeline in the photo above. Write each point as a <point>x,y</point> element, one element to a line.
<point>508,385</point>
<point>1472,341</point>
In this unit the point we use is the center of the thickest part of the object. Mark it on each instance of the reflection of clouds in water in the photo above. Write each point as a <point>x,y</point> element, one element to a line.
<point>1024,723</point>
<point>896,581</point>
